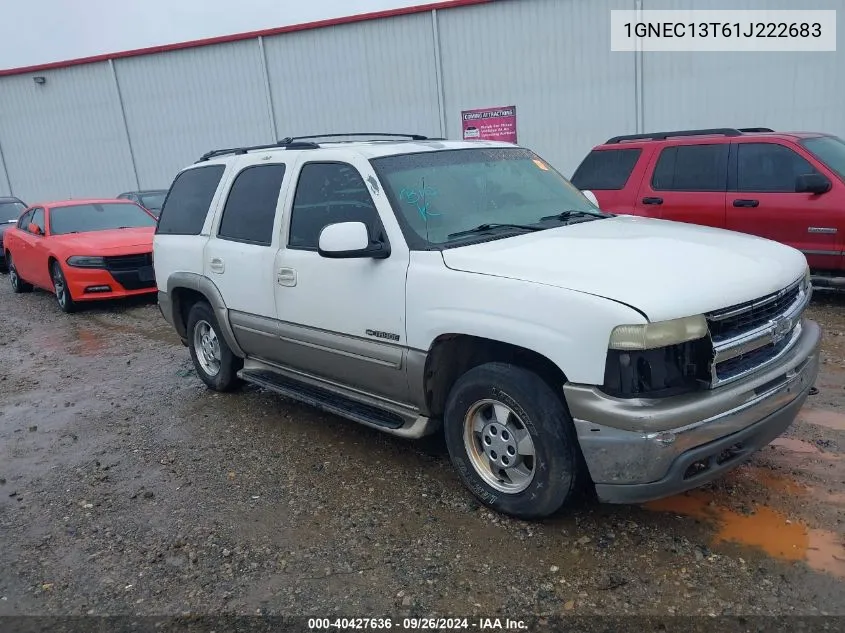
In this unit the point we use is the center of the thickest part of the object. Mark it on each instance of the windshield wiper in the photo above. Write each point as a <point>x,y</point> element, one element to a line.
<point>572,213</point>
<point>481,228</point>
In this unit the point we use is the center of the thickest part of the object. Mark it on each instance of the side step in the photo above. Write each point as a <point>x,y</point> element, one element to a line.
<point>391,418</point>
<point>824,281</point>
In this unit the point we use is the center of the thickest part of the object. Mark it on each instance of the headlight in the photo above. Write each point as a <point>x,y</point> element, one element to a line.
<point>83,261</point>
<point>660,334</point>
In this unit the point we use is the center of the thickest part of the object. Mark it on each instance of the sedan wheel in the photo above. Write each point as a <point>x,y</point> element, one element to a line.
<point>65,301</point>
<point>18,284</point>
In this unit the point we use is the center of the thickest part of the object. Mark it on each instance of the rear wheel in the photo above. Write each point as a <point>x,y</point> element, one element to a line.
<point>512,441</point>
<point>18,284</point>
<point>63,298</point>
<point>214,361</point>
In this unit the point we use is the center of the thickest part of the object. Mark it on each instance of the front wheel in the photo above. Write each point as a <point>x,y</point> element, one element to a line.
<point>18,284</point>
<point>214,361</point>
<point>512,441</point>
<point>63,298</point>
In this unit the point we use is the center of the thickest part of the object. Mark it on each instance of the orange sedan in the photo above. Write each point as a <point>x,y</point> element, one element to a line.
<point>82,250</point>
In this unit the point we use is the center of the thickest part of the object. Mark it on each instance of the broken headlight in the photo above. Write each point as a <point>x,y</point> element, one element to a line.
<point>656,360</point>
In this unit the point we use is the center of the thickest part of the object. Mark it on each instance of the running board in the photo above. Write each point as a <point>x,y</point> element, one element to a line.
<point>337,400</point>
<point>823,281</point>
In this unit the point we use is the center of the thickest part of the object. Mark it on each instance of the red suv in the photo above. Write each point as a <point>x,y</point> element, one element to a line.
<point>784,186</point>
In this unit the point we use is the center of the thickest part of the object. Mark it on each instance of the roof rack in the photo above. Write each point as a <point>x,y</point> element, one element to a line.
<point>283,144</point>
<point>413,137</point>
<point>755,129</point>
<point>302,142</point>
<point>658,136</point>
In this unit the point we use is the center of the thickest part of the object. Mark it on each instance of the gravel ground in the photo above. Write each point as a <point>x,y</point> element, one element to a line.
<point>126,487</point>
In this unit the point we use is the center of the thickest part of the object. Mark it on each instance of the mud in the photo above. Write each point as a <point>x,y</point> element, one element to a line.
<point>126,487</point>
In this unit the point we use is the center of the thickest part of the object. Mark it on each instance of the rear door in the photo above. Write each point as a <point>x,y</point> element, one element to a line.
<point>763,202</point>
<point>25,257</point>
<point>686,182</point>
<point>240,254</point>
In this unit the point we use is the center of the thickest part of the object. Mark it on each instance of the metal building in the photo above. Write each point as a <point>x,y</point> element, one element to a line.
<point>98,126</point>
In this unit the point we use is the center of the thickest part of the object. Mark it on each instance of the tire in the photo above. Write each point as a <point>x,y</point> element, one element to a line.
<point>490,412</point>
<point>60,289</point>
<point>4,268</point>
<point>18,284</point>
<point>213,360</point>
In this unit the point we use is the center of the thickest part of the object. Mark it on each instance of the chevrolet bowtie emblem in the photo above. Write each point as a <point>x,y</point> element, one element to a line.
<point>781,326</point>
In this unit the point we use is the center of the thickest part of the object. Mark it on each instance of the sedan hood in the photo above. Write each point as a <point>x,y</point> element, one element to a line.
<point>113,242</point>
<point>663,269</point>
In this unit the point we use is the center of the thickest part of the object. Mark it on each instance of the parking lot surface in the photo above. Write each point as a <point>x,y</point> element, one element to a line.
<point>126,487</point>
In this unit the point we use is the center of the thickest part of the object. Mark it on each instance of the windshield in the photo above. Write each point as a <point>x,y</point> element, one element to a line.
<point>10,211</point>
<point>153,201</point>
<point>439,196</point>
<point>830,150</point>
<point>81,218</point>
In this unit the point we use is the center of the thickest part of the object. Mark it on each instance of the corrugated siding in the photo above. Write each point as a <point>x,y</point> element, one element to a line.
<point>64,138</point>
<point>783,91</point>
<point>183,103</point>
<point>550,58</point>
<point>374,76</point>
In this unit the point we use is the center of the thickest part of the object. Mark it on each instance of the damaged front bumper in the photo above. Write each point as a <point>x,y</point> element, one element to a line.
<point>638,449</point>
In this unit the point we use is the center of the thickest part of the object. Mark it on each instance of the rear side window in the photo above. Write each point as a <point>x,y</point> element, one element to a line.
<point>188,201</point>
<point>692,168</point>
<point>251,206</point>
<point>769,167</point>
<point>606,169</point>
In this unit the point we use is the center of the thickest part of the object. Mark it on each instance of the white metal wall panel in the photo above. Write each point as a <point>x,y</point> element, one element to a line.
<point>783,91</point>
<point>64,138</point>
<point>181,104</point>
<point>550,58</point>
<point>374,76</point>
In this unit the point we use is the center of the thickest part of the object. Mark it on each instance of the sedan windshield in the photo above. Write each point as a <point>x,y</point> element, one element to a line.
<point>830,150</point>
<point>153,201</point>
<point>82,218</point>
<point>445,198</point>
<point>10,211</point>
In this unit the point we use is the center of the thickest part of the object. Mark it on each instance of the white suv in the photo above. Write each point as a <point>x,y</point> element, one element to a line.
<point>413,284</point>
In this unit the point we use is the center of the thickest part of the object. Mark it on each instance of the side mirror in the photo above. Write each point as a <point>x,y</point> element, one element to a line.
<point>34,228</point>
<point>347,240</point>
<point>812,183</point>
<point>589,195</point>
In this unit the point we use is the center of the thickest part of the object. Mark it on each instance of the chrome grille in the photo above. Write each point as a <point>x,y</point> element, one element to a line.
<point>748,336</point>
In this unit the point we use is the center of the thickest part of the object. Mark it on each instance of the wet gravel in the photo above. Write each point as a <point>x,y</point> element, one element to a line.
<point>126,487</point>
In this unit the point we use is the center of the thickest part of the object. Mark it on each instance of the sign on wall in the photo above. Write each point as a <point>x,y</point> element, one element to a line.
<point>490,124</point>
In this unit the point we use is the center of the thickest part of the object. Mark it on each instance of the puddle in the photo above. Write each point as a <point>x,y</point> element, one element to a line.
<point>766,529</point>
<point>823,417</point>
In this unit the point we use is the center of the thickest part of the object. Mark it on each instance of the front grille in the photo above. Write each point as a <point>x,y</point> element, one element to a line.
<point>762,330</point>
<point>744,362</point>
<point>129,262</point>
<point>741,318</point>
<point>133,272</point>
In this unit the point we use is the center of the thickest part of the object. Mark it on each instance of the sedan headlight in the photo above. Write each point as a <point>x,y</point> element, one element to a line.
<point>84,261</point>
<point>660,334</point>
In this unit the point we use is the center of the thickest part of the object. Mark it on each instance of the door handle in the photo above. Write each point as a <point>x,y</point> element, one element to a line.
<point>216,265</point>
<point>652,200</point>
<point>746,203</point>
<point>286,277</point>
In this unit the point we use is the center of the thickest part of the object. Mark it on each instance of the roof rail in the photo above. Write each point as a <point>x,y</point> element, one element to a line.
<point>658,136</point>
<point>412,137</point>
<point>755,129</point>
<point>283,144</point>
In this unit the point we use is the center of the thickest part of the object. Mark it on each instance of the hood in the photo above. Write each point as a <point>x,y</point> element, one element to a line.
<point>664,269</point>
<point>113,242</point>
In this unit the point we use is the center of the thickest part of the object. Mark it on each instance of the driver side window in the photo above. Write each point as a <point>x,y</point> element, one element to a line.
<point>328,193</point>
<point>38,219</point>
<point>24,221</point>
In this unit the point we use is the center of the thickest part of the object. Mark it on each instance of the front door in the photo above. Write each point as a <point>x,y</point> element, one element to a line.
<point>342,319</point>
<point>764,202</point>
